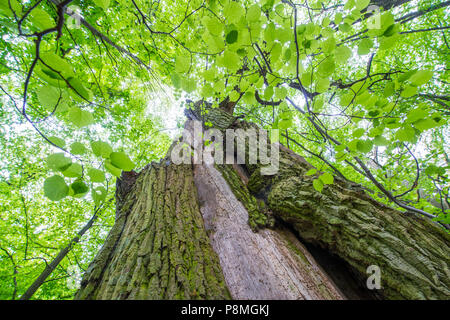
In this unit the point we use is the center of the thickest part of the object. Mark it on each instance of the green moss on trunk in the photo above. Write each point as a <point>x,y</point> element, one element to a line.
<point>158,247</point>
<point>411,251</point>
<point>259,215</point>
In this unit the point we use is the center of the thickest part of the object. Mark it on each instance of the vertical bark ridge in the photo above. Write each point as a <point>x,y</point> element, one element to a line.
<point>163,251</point>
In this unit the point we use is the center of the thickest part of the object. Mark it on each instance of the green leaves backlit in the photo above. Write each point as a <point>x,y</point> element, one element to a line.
<point>102,3</point>
<point>364,46</point>
<point>233,11</point>
<point>58,162</point>
<point>253,13</point>
<point>101,149</point>
<point>322,180</point>
<point>80,118</point>
<point>96,175</point>
<point>421,77</point>
<point>114,162</point>
<point>121,161</point>
<point>77,148</point>
<point>55,188</point>
<point>40,19</point>
<point>182,64</point>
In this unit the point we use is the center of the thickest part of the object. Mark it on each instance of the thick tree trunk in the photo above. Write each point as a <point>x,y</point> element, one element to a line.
<point>158,247</point>
<point>226,231</point>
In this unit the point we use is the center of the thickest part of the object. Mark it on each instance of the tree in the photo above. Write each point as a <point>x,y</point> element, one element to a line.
<point>350,88</point>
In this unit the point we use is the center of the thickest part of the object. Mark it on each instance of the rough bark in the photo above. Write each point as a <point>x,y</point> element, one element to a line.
<point>411,251</point>
<point>158,247</point>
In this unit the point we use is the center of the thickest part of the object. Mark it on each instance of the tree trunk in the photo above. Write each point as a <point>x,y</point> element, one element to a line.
<point>226,231</point>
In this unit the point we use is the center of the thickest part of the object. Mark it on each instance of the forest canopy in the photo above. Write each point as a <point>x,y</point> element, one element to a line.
<point>91,88</point>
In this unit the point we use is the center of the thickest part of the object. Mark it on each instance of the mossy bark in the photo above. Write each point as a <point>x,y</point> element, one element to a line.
<point>411,251</point>
<point>158,247</point>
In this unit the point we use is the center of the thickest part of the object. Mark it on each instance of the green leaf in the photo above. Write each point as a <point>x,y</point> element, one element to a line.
<point>338,18</point>
<point>80,118</point>
<point>188,84</point>
<point>79,188</point>
<point>389,89</point>
<point>101,149</point>
<point>326,68</point>
<point>388,42</point>
<point>57,141</point>
<point>284,124</point>
<point>234,96</point>
<point>55,188</point>
<point>99,195</point>
<point>6,11</point>
<point>58,162</point>
<point>268,93</point>
<point>56,65</point>
<point>425,124</point>
<point>182,64</point>
<point>77,148</point>
<point>329,45</point>
<point>73,171</point>
<point>361,4</point>
<point>284,120</point>
<point>364,146</point>
<point>345,27</point>
<point>311,172</point>
<point>51,98</point>
<point>421,77</point>
<point>327,178</point>
<point>280,93</point>
<point>253,13</point>
<point>409,91</point>
<point>416,114</point>
<point>342,54</point>
<point>358,132</point>
<point>104,4</point>
<point>232,36</point>
<point>233,11</point>
<point>79,90</point>
<point>269,34</point>
<point>276,51</point>
<point>231,60</point>
<point>96,175</point>
<point>41,19</point>
<point>121,161</point>
<point>322,85</point>
<point>364,46</point>
<point>112,169</point>
<point>207,90</point>
<point>214,26</point>
<point>318,185</point>
<point>346,99</point>
<point>405,134</point>
<point>380,141</point>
